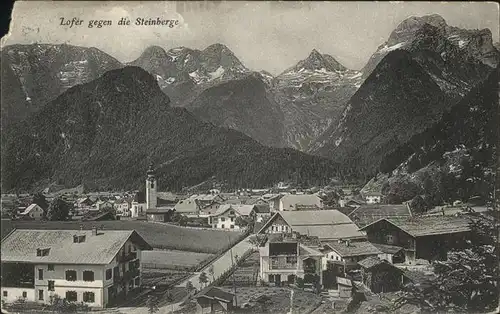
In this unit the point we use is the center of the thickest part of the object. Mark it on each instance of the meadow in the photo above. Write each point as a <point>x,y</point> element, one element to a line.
<point>172,259</point>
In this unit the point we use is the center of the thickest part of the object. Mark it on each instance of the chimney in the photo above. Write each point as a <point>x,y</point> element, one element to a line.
<point>94,230</point>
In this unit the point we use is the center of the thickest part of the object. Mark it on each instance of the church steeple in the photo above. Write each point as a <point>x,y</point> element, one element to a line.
<point>151,188</point>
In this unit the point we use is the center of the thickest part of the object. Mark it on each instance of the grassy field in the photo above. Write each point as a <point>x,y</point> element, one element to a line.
<point>172,259</point>
<point>165,277</point>
<point>162,236</point>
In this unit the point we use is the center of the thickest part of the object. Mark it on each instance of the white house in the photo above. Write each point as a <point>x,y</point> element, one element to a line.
<point>93,266</point>
<point>225,216</point>
<point>294,201</point>
<point>373,197</point>
<point>104,205</point>
<point>32,212</point>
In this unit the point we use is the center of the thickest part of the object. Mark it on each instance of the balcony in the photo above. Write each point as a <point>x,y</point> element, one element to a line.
<point>283,266</point>
<point>123,258</point>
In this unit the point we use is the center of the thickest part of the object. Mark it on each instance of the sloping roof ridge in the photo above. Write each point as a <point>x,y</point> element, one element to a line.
<point>392,223</point>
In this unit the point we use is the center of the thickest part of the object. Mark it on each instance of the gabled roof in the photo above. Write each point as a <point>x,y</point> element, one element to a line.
<point>353,248</point>
<point>29,209</point>
<point>214,293</point>
<point>386,248</point>
<point>242,210</point>
<point>302,199</point>
<point>325,224</point>
<point>427,226</point>
<point>366,214</point>
<point>21,246</point>
<point>373,261</point>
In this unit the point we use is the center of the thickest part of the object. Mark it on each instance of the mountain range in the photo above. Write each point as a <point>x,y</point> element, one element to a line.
<point>105,133</point>
<point>363,120</point>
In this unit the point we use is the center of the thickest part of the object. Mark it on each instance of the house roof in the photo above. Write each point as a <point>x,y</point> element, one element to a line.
<point>21,246</point>
<point>160,210</point>
<point>353,249</point>
<point>214,293</point>
<point>427,226</point>
<point>366,214</point>
<point>305,251</point>
<point>242,210</point>
<point>306,207</point>
<point>262,209</point>
<point>373,261</point>
<point>29,209</point>
<point>187,205</point>
<point>291,200</point>
<point>324,224</point>
<point>386,248</point>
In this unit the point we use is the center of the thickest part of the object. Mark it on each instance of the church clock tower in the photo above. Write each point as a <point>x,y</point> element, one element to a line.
<point>151,188</point>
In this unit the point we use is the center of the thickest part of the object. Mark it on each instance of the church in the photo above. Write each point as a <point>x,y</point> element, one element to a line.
<point>146,204</point>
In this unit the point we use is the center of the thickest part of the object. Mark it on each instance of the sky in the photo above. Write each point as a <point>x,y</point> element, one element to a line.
<point>263,35</point>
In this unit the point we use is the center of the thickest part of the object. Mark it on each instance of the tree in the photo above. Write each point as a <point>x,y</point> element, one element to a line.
<point>203,279</point>
<point>466,281</point>
<point>40,200</point>
<point>242,221</point>
<point>256,240</point>
<point>189,287</point>
<point>211,272</point>
<point>152,304</point>
<point>58,210</point>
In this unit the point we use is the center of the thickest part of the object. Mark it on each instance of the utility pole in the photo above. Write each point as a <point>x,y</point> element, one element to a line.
<point>232,266</point>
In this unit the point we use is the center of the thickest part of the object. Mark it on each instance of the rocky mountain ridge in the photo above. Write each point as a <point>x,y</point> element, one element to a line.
<point>36,74</point>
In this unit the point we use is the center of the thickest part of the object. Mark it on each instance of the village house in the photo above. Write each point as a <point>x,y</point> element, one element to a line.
<point>104,205</point>
<point>138,205</point>
<point>214,300</point>
<point>379,275</point>
<point>366,214</point>
<point>197,203</point>
<point>225,216</point>
<point>290,202</point>
<point>372,197</point>
<point>159,214</point>
<point>324,224</point>
<point>123,206</point>
<point>273,200</point>
<point>32,212</point>
<point>97,267</point>
<point>346,254</point>
<point>262,212</point>
<point>283,261</point>
<point>428,238</point>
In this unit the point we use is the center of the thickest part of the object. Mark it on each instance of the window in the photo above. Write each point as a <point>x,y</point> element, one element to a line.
<point>223,226</point>
<point>51,285</point>
<point>109,274</point>
<point>88,275</point>
<point>40,295</point>
<point>389,238</point>
<point>78,238</point>
<point>232,218</point>
<point>5,293</point>
<point>152,185</point>
<point>71,275</point>
<point>71,296</point>
<point>40,274</point>
<point>25,294</point>
<point>232,227</point>
<point>89,297</point>
<point>42,252</point>
<point>50,267</point>
<point>222,219</point>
